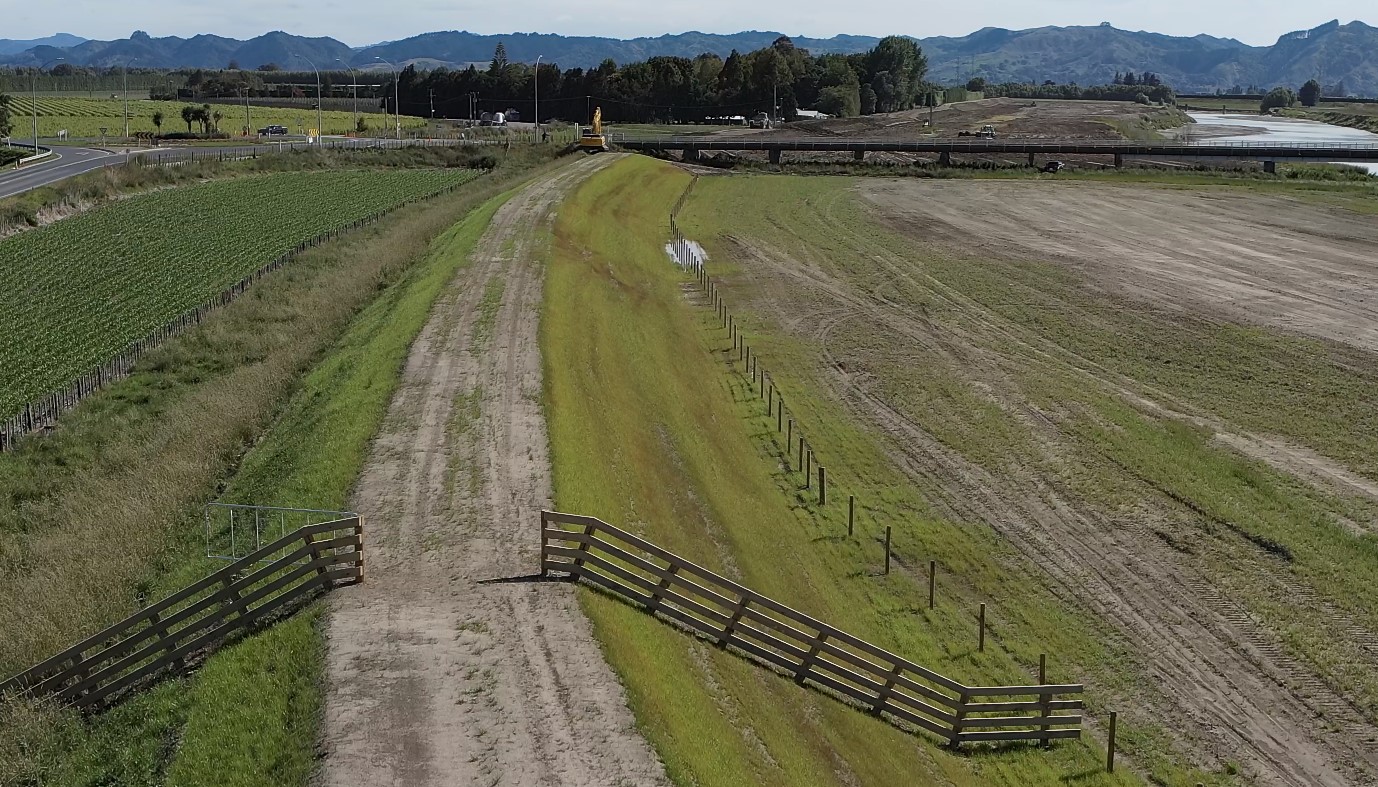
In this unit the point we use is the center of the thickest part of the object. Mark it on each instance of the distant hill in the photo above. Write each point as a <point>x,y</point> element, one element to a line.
<point>1333,53</point>
<point>10,46</point>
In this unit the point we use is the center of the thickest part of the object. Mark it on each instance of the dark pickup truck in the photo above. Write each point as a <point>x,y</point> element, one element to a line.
<point>272,131</point>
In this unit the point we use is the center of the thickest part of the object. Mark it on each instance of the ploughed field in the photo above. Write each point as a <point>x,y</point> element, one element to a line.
<point>1159,401</point>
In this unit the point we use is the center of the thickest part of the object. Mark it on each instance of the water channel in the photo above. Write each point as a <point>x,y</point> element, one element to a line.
<point>1256,128</point>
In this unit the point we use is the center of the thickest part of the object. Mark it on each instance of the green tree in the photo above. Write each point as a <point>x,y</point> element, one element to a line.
<point>903,67</point>
<point>840,101</point>
<point>1310,94</point>
<point>499,62</point>
<point>977,84</point>
<point>1278,98</point>
<point>189,116</point>
<point>868,100</point>
<point>5,123</point>
<point>158,121</point>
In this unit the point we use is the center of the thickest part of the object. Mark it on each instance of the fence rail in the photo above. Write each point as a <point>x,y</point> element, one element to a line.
<point>711,605</point>
<point>195,620</point>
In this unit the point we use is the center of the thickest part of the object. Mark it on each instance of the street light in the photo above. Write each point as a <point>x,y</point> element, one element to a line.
<point>319,129</point>
<point>396,101</point>
<point>33,90</point>
<point>538,99</point>
<point>354,86</point>
<point>126,95</point>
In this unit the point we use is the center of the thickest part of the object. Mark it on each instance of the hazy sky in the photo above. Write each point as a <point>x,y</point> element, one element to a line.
<point>357,22</point>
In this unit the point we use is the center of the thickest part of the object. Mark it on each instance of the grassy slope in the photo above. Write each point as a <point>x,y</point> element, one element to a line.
<point>256,703</point>
<point>649,432</point>
<point>1116,458</point>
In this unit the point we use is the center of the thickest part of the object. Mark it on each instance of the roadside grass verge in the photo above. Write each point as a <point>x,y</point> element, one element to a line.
<point>273,401</point>
<point>1012,338</point>
<point>649,431</point>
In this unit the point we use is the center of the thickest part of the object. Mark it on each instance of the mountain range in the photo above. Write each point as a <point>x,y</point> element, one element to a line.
<point>1333,53</point>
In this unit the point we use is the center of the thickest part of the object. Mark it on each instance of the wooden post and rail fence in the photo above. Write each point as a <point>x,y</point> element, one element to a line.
<point>273,580</point>
<point>732,615</point>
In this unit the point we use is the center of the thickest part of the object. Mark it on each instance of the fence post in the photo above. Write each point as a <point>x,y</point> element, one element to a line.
<point>932,581</point>
<point>779,419</point>
<point>887,549</point>
<point>1110,746</point>
<point>981,637</point>
<point>1044,698</point>
<point>770,403</point>
<point>801,452</point>
<point>789,436</point>
<point>959,713</point>
<point>851,512</point>
<point>822,485</point>
<point>808,469</point>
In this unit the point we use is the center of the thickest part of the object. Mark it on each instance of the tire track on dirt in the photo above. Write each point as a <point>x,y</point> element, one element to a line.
<point>450,665</point>
<point>1245,699</point>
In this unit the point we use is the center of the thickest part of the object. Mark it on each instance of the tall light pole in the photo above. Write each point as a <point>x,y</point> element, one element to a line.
<point>33,90</point>
<point>354,86</point>
<point>319,130</point>
<point>538,99</point>
<point>396,96</point>
<point>126,95</point>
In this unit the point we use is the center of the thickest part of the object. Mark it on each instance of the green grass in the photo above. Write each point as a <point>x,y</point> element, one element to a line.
<point>1039,330</point>
<point>85,117</point>
<point>297,373</point>
<point>650,431</point>
<point>76,293</point>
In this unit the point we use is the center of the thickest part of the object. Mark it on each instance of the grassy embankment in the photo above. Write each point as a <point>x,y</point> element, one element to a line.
<point>1231,518</point>
<point>649,431</point>
<point>1360,116</point>
<point>272,401</point>
<point>1148,125</point>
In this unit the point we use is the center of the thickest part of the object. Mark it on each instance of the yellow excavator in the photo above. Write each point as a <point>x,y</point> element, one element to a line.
<point>592,140</point>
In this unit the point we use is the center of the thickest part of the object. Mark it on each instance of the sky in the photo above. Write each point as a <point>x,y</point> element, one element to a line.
<point>361,22</point>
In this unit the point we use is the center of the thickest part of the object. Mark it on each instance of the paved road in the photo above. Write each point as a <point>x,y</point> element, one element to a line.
<point>74,161</point>
<point>69,162</point>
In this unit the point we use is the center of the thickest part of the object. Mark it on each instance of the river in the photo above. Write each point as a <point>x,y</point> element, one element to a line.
<point>1257,128</point>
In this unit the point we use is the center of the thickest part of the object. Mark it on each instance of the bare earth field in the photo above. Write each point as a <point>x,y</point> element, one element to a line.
<point>1012,117</point>
<point>450,665</point>
<point>1202,608</point>
<point>1238,255</point>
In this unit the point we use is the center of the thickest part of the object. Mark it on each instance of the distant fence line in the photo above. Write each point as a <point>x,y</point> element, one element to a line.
<point>43,412</point>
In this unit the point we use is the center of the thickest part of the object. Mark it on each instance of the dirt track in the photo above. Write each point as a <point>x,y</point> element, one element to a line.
<point>1219,679</point>
<point>450,665</point>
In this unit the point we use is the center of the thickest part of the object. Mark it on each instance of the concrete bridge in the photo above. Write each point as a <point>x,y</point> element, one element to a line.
<point>776,147</point>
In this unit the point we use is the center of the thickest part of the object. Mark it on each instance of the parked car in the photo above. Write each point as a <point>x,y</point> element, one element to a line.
<point>272,131</point>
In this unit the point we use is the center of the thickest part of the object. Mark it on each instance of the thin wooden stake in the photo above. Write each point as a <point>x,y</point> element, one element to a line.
<point>822,485</point>
<point>779,417</point>
<point>808,470</point>
<point>851,512</point>
<point>1110,745</point>
<point>801,452</point>
<point>887,549</point>
<point>981,638</point>
<point>789,434</point>
<point>932,581</point>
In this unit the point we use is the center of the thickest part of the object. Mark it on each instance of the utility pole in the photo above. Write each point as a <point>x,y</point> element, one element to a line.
<point>537,118</point>
<point>33,90</point>
<point>248,125</point>
<point>431,93</point>
<point>355,88</point>
<point>126,96</point>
